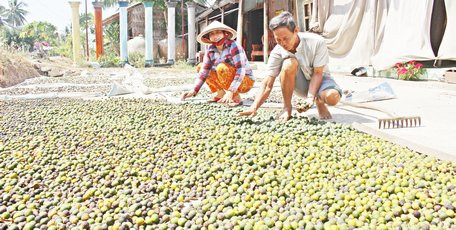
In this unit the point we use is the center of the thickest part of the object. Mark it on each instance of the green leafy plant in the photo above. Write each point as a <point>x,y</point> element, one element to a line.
<point>411,70</point>
<point>112,38</point>
<point>10,37</point>
<point>183,65</point>
<point>2,12</point>
<point>37,33</point>
<point>109,60</point>
<point>64,48</point>
<point>136,59</point>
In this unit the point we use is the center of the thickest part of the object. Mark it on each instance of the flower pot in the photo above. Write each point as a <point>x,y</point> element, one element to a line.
<point>450,76</point>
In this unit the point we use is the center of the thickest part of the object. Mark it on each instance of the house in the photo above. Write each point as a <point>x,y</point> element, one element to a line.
<point>253,16</point>
<point>136,24</point>
<point>136,27</point>
<point>358,33</point>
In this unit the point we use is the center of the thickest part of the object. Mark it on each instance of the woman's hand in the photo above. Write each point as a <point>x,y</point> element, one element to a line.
<point>187,95</point>
<point>227,98</point>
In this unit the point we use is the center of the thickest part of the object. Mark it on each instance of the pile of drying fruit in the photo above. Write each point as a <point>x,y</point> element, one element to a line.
<point>141,164</point>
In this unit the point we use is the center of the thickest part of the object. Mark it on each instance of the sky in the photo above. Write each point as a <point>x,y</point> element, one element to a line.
<point>57,12</point>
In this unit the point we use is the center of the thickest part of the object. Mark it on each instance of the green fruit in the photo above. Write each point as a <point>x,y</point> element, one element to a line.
<point>140,221</point>
<point>106,163</point>
<point>181,222</point>
<point>29,226</point>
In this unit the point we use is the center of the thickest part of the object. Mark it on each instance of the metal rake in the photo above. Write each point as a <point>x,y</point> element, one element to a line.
<point>393,121</point>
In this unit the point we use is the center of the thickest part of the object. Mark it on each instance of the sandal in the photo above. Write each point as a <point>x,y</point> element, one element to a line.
<point>235,103</point>
<point>214,99</point>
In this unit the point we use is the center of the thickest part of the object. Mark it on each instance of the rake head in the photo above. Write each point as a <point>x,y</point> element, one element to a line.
<point>399,122</point>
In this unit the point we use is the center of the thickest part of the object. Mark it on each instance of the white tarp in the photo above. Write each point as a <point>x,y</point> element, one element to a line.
<point>380,32</point>
<point>447,48</point>
<point>406,34</point>
<point>349,34</point>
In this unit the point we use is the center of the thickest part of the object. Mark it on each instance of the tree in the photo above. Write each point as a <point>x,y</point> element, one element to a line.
<point>90,23</point>
<point>2,11</point>
<point>10,37</point>
<point>112,38</point>
<point>39,32</point>
<point>15,14</point>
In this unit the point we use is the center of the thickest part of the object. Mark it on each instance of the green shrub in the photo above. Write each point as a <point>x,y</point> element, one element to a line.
<point>136,59</point>
<point>184,66</point>
<point>63,48</point>
<point>109,60</point>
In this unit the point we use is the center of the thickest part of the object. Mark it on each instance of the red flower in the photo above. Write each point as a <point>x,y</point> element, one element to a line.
<point>402,70</point>
<point>417,66</point>
<point>412,62</point>
<point>398,65</point>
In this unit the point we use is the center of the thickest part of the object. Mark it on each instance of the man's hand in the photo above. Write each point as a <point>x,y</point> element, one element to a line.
<point>250,113</point>
<point>227,98</point>
<point>285,115</point>
<point>304,105</point>
<point>187,95</point>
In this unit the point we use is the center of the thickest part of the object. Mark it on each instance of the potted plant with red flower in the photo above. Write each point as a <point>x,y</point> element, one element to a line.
<point>411,70</point>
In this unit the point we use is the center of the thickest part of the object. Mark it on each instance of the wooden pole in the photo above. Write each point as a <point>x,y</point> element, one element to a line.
<point>265,33</point>
<point>87,31</point>
<point>98,28</point>
<point>300,15</point>
<point>183,29</point>
<point>240,23</point>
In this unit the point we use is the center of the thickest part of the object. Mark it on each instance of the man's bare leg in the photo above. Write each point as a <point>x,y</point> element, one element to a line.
<point>287,83</point>
<point>328,97</point>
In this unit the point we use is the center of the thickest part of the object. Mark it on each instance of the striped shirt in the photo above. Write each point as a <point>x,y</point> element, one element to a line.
<point>232,55</point>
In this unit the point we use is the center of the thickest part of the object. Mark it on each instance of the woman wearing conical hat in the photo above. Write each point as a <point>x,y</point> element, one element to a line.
<point>225,67</point>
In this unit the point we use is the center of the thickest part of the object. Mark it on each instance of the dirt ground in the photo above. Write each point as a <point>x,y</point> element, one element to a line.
<point>15,68</point>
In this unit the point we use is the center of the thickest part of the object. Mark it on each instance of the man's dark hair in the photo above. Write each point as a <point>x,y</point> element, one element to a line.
<point>285,19</point>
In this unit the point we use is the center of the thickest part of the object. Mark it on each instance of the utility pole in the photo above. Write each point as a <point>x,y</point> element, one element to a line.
<point>87,31</point>
<point>183,28</point>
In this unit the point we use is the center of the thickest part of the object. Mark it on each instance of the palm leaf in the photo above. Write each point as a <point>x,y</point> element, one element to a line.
<point>15,14</point>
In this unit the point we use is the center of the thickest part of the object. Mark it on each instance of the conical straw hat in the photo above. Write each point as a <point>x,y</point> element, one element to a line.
<point>215,25</point>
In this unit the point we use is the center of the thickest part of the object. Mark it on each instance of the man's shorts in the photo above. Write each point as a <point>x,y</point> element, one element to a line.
<point>302,84</point>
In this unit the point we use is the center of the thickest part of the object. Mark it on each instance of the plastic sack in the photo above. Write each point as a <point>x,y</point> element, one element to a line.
<point>377,93</point>
<point>132,82</point>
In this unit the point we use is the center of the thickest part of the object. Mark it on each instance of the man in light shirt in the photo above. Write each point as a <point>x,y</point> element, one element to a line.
<point>300,60</point>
